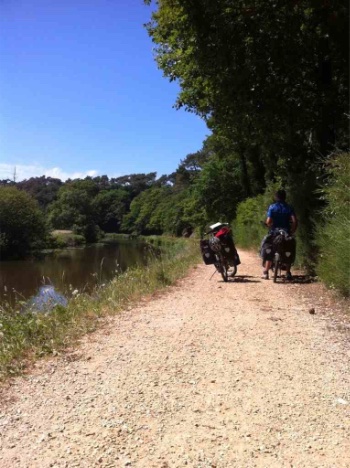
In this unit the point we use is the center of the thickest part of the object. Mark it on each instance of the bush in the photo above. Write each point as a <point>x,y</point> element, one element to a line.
<point>247,229</point>
<point>61,239</point>
<point>22,224</point>
<point>334,233</point>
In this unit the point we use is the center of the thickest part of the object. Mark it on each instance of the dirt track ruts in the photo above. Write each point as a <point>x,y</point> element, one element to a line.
<point>209,374</point>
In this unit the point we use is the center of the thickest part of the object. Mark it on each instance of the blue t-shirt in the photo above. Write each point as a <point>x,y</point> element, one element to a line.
<point>280,213</point>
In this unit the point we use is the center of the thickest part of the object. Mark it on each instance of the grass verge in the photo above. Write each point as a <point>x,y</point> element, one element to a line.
<point>26,336</point>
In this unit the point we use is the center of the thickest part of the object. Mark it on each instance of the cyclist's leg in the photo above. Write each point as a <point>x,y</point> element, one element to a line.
<point>267,268</point>
<point>289,275</point>
<point>266,255</point>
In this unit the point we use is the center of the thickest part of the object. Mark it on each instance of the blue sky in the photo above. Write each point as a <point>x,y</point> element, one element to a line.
<point>81,94</point>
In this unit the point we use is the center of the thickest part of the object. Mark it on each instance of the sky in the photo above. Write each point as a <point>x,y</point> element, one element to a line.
<point>81,94</point>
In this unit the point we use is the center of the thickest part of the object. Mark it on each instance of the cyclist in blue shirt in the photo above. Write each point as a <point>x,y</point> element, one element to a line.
<point>280,215</point>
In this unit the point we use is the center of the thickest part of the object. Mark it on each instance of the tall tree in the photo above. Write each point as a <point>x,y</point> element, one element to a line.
<point>269,73</point>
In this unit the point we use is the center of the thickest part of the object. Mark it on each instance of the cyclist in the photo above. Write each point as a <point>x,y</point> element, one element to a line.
<point>280,215</point>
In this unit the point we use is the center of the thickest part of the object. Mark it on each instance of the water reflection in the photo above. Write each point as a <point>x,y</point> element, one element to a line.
<point>68,269</point>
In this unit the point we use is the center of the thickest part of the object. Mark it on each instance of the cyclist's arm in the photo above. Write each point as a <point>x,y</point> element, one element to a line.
<point>294,223</point>
<point>269,222</point>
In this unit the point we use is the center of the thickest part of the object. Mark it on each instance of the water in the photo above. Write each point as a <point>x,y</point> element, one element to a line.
<point>56,275</point>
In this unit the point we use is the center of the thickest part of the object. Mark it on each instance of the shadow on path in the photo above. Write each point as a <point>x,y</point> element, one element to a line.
<point>297,279</point>
<point>244,279</point>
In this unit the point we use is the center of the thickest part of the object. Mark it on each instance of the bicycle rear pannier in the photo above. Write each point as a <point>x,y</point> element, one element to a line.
<point>207,254</point>
<point>228,248</point>
<point>267,248</point>
<point>285,245</point>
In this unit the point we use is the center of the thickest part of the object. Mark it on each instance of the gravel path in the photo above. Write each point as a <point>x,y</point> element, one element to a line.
<point>209,374</point>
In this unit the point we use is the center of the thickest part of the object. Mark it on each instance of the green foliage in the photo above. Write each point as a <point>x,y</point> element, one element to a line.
<point>158,210</point>
<point>61,239</point>
<point>248,229</point>
<point>218,189</point>
<point>273,72</point>
<point>43,189</point>
<point>333,233</point>
<point>22,224</point>
<point>109,207</point>
<point>141,211</point>
<point>73,210</point>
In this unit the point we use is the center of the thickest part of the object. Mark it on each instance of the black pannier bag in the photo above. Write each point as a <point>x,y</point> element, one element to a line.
<point>285,245</point>
<point>207,254</point>
<point>267,248</point>
<point>229,249</point>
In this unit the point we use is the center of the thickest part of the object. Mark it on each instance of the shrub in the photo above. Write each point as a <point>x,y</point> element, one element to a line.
<point>60,240</point>
<point>248,231</point>
<point>334,233</point>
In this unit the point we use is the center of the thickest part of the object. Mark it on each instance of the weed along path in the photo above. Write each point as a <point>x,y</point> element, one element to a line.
<point>208,374</point>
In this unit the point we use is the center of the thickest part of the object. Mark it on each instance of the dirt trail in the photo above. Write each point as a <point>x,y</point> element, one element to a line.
<point>210,374</point>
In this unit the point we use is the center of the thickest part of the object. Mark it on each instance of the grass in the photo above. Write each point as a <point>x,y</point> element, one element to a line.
<point>27,336</point>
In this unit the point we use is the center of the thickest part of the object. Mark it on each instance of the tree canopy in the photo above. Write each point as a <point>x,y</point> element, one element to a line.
<point>22,224</point>
<point>270,76</point>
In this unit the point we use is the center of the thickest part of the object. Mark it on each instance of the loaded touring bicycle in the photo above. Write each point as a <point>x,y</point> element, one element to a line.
<point>219,250</point>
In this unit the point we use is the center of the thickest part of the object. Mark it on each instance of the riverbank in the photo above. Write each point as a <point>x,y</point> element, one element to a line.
<point>240,374</point>
<point>26,336</point>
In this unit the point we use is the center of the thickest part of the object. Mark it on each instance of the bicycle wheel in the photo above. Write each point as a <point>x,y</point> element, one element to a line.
<point>223,268</point>
<point>276,267</point>
<point>224,272</point>
<point>232,271</point>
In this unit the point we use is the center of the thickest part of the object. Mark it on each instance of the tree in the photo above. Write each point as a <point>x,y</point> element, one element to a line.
<point>190,167</point>
<point>219,188</point>
<point>135,183</point>
<point>267,74</point>
<point>109,207</point>
<point>73,210</point>
<point>43,189</point>
<point>22,224</point>
<point>141,210</point>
